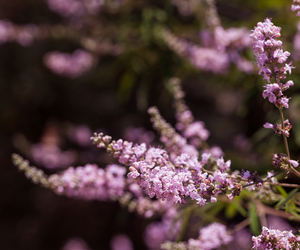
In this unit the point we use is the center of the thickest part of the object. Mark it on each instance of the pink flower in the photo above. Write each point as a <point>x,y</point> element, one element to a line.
<point>268,125</point>
<point>294,163</point>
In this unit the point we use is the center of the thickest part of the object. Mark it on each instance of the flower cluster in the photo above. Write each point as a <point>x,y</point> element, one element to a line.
<point>216,58</point>
<point>210,237</point>
<point>175,143</point>
<point>194,131</point>
<point>296,7</point>
<point>79,8</point>
<point>167,229</point>
<point>90,182</point>
<point>93,183</point>
<point>276,239</point>
<point>70,65</point>
<point>271,60</point>
<point>51,156</point>
<point>22,34</point>
<point>172,180</point>
<point>277,128</point>
<point>252,178</point>
<point>282,161</point>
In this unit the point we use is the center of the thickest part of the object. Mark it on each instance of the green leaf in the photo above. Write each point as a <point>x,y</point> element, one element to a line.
<point>239,208</point>
<point>254,220</point>
<point>283,201</point>
<point>281,191</point>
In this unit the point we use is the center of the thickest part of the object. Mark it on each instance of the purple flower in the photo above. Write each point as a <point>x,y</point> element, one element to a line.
<point>121,242</point>
<point>211,237</point>
<point>275,239</point>
<point>271,92</point>
<point>69,65</point>
<point>271,60</point>
<point>294,163</point>
<point>268,125</point>
<point>223,165</point>
<point>283,102</point>
<point>270,174</point>
<point>245,174</point>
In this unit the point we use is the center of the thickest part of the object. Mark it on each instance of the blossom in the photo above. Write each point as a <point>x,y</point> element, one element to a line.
<point>296,7</point>
<point>270,174</point>
<point>90,182</point>
<point>268,125</point>
<point>69,65</point>
<point>294,163</point>
<point>121,242</point>
<point>275,239</point>
<point>271,60</point>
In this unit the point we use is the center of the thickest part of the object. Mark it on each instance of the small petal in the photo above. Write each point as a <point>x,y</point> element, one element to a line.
<point>268,125</point>
<point>294,163</point>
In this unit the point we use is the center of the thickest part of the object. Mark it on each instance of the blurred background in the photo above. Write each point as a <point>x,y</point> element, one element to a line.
<point>118,63</point>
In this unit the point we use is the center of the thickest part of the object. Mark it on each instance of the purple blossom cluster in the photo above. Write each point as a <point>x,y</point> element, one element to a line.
<point>90,182</point>
<point>210,237</point>
<point>69,65</point>
<point>93,183</point>
<point>282,161</point>
<point>159,176</point>
<point>296,7</point>
<point>157,233</point>
<point>80,8</point>
<point>51,156</point>
<point>194,132</point>
<point>219,51</point>
<point>277,128</point>
<point>276,239</point>
<point>76,243</point>
<point>80,134</point>
<point>121,242</point>
<point>175,144</point>
<point>271,60</point>
<point>23,35</point>
<point>253,178</point>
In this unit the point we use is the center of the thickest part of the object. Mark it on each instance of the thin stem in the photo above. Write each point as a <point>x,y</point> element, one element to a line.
<point>293,170</point>
<point>239,226</point>
<point>284,136</point>
<point>261,212</point>
<point>210,172</point>
<point>278,173</point>
<point>282,184</point>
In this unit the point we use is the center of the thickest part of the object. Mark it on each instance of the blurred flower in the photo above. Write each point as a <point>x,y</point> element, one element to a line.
<point>76,244</point>
<point>69,65</point>
<point>121,242</point>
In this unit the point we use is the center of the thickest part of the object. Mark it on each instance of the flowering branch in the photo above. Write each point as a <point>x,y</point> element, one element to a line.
<point>272,63</point>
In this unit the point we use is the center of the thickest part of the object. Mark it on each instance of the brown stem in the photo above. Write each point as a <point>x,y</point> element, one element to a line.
<point>284,136</point>
<point>282,184</point>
